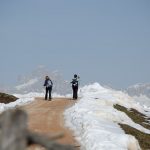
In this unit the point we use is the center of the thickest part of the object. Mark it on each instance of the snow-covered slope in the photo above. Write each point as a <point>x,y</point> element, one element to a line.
<point>95,120</point>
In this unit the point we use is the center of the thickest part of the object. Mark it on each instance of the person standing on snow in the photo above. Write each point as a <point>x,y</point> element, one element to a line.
<point>75,84</point>
<point>48,84</point>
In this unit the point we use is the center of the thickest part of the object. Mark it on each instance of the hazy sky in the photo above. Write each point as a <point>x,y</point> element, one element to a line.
<point>101,40</point>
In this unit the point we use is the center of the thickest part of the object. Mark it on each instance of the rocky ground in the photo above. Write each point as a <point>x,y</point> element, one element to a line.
<point>6,98</point>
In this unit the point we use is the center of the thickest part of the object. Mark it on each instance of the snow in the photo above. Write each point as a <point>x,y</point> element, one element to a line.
<point>95,121</point>
<point>143,100</point>
<point>24,99</point>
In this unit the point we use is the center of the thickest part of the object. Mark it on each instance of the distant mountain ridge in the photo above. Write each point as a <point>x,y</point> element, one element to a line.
<point>33,82</point>
<point>139,89</point>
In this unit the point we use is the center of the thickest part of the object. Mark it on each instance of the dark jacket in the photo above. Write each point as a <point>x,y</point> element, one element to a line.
<point>48,83</point>
<point>74,82</point>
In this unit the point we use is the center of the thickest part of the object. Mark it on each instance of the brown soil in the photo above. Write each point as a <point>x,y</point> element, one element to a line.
<point>46,117</point>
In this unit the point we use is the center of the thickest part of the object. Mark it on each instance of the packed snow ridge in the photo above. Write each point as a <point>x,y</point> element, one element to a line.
<point>95,121</point>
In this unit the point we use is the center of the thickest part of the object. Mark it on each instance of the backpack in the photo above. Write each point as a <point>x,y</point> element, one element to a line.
<point>49,83</point>
<point>74,82</point>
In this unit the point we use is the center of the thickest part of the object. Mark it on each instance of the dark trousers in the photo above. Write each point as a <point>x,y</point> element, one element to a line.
<point>48,91</point>
<point>75,92</point>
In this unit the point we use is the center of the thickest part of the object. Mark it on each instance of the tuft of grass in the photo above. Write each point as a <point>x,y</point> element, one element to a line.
<point>6,98</point>
<point>143,138</point>
<point>135,115</point>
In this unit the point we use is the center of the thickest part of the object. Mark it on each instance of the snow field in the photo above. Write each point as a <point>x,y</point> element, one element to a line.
<point>95,121</point>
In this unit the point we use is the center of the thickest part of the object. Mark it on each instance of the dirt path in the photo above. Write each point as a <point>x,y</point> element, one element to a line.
<point>46,117</point>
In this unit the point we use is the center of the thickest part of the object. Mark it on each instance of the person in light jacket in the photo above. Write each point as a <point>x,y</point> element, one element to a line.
<point>48,87</point>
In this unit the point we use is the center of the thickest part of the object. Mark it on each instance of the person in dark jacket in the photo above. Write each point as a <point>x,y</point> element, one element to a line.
<point>75,84</point>
<point>48,86</point>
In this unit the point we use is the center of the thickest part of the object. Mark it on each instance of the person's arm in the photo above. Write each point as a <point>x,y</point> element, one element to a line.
<point>51,82</point>
<point>71,81</point>
<point>78,81</point>
<point>45,83</point>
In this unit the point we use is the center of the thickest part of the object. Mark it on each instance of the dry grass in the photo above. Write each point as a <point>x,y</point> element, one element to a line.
<point>137,117</point>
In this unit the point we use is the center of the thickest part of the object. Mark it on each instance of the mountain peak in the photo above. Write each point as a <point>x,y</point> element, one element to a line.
<point>33,82</point>
<point>139,89</point>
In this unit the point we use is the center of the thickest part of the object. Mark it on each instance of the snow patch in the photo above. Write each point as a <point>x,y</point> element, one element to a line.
<point>24,99</point>
<point>95,121</point>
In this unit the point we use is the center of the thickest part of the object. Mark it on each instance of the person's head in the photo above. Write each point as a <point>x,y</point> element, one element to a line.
<point>75,76</point>
<point>47,77</point>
